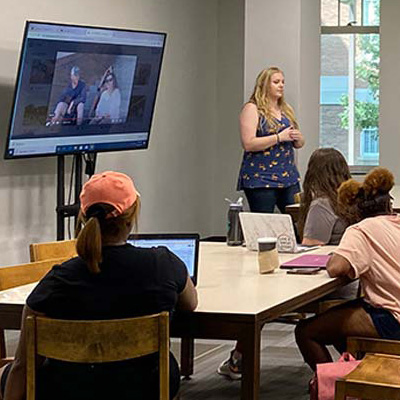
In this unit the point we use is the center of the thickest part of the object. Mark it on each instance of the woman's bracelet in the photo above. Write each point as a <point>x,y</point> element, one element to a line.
<point>277,138</point>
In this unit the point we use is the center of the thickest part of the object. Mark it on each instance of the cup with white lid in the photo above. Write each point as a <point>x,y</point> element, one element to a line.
<point>268,259</point>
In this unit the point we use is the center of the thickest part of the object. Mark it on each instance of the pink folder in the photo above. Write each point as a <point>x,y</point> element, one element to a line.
<point>307,261</point>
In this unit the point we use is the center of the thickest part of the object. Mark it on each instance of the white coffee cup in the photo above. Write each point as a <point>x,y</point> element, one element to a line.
<point>268,258</point>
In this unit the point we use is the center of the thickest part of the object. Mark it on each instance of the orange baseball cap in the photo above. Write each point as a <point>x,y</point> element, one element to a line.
<point>109,187</point>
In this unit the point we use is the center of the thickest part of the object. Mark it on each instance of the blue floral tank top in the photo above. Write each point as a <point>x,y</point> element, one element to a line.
<point>273,167</point>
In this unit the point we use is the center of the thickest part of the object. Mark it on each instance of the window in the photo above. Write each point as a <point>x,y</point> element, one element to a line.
<point>349,94</point>
<point>369,144</point>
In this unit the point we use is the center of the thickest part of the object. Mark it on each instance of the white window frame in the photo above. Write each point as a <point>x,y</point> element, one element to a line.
<point>342,30</point>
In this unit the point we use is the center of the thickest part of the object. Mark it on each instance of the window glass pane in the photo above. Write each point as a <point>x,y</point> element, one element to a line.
<point>354,12</point>
<point>329,12</point>
<point>371,12</point>
<point>349,97</point>
<point>350,12</point>
<point>367,100</point>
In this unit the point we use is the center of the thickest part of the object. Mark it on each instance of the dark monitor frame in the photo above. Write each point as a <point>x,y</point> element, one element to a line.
<point>18,86</point>
<point>155,236</point>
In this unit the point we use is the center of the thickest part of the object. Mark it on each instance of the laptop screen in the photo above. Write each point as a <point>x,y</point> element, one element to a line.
<point>184,246</point>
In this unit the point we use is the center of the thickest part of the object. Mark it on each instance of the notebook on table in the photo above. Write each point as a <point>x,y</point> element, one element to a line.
<point>183,245</point>
<point>256,225</point>
<point>307,261</point>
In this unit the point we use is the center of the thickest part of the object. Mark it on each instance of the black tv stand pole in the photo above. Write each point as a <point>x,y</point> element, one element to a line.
<point>71,210</point>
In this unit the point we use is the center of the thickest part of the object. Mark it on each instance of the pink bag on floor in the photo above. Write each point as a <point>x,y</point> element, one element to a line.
<point>322,385</point>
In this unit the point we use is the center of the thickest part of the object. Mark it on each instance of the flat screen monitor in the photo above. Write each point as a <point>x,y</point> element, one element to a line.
<point>83,89</point>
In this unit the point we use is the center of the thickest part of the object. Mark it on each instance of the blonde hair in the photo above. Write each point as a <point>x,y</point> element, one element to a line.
<point>261,99</point>
<point>96,229</point>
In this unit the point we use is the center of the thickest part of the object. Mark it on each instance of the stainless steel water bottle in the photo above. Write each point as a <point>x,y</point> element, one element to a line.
<point>234,235</point>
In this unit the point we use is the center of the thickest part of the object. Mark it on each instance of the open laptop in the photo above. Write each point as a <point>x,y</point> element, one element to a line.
<point>183,245</point>
<point>256,225</point>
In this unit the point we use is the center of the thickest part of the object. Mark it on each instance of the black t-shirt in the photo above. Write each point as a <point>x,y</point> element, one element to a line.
<point>133,281</point>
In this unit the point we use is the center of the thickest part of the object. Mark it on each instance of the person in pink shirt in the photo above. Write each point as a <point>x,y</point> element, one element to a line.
<point>369,250</point>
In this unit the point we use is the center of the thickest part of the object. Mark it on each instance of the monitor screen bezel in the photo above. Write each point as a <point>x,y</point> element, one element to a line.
<point>155,236</point>
<point>7,156</point>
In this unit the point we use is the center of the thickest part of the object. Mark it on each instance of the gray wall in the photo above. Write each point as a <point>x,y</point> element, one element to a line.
<point>176,176</point>
<point>389,125</point>
<point>214,51</point>
<point>227,151</point>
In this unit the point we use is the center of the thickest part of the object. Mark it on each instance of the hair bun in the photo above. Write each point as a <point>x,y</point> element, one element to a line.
<point>348,191</point>
<point>379,181</point>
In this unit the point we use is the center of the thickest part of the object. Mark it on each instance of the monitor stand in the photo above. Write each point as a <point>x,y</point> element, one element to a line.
<point>71,210</point>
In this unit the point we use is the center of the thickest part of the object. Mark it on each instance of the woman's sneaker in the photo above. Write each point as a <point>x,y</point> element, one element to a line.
<point>231,368</point>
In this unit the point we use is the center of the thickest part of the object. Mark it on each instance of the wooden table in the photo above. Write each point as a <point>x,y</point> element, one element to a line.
<point>235,301</point>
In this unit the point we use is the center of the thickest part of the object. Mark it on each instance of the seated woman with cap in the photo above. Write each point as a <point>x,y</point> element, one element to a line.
<point>109,279</point>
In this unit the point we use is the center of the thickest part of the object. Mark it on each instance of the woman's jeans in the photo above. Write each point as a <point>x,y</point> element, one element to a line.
<point>265,199</point>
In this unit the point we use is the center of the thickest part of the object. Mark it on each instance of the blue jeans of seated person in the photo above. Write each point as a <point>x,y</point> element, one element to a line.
<point>264,200</point>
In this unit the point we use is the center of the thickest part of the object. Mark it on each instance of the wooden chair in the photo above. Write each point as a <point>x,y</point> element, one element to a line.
<point>18,275</point>
<point>47,250</point>
<point>99,341</point>
<point>377,376</point>
<point>297,197</point>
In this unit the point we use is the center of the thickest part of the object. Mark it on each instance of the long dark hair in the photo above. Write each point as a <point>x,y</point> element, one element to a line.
<point>114,78</point>
<point>327,169</point>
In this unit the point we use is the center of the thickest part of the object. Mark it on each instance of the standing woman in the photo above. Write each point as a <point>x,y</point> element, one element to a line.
<point>269,133</point>
<point>268,175</point>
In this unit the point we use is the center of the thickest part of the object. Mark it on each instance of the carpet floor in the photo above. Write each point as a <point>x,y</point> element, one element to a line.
<point>284,375</point>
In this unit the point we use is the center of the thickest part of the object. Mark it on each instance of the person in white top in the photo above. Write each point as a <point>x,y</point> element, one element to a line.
<point>108,108</point>
<point>369,250</point>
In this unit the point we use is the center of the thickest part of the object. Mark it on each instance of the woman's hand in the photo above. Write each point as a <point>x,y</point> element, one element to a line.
<point>297,137</point>
<point>249,120</point>
<point>70,107</point>
<point>286,135</point>
<point>295,134</point>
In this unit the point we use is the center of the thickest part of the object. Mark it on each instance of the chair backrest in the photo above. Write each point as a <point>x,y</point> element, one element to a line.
<point>22,274</point>
<point>44,251</point>
<point>297,197</point>
<point>99,341</point>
